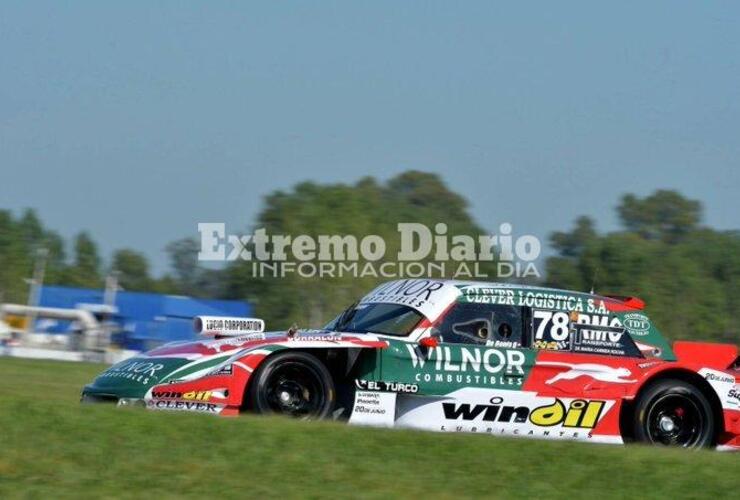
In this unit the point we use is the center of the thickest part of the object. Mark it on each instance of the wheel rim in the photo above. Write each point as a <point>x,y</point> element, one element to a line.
<point>675,420</point>
<point>294,389</point>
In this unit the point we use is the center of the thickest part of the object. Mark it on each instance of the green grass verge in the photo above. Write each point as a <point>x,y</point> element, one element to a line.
<point>50,446</point>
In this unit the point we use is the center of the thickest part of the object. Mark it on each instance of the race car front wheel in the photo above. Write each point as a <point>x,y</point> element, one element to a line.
<point>674,413</point>
<point>295,384</point>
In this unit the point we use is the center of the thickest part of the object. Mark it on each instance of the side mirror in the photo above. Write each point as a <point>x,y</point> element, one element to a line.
<point>429,342</point>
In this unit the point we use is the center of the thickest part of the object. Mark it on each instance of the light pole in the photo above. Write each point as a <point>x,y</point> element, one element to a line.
<point>111,287</point>
<point>34,292</point>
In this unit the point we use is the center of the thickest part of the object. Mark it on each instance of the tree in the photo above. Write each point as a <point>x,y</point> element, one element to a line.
<point>688,275</point>
<point>190,277</point>
<point>85,271</point>
<point>20,241</point>
<point>663,215</point>
<point>133,270</point>
<point>365,208</point>
<point>30,227</point>
<point>575,242</point>
<point>14,259</point>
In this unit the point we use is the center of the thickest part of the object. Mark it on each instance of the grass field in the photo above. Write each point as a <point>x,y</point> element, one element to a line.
<point>51,446</point>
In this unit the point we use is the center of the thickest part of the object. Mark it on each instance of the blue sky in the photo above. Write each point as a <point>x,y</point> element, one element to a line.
<point>136,121</point>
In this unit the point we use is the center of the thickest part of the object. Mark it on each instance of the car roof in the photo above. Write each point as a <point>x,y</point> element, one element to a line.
<point>629,301</point>
<point>520,286</point>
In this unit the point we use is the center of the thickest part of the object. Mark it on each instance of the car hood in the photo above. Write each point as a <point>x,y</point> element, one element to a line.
<point>133,377</point>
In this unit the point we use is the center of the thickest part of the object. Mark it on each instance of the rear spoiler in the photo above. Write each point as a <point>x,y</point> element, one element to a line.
<point>626,301</point>
<point>721,356</point>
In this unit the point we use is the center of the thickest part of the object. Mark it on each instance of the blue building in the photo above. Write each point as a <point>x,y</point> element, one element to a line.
<point>144,320</point>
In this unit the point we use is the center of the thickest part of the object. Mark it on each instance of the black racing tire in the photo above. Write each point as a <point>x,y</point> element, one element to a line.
<point>672,412</point>
<point>294,384</point>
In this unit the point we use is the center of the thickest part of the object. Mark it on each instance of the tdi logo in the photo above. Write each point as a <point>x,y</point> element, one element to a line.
<point>637,324</point>
<point>580,413</point>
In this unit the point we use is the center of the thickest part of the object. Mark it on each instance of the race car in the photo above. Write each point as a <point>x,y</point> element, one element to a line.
<point>455,356</point>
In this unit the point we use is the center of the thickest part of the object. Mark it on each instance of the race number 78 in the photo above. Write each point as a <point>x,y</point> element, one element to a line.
<point>554,324</point>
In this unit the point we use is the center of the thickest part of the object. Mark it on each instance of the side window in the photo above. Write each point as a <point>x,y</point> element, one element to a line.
<point>483,324</point>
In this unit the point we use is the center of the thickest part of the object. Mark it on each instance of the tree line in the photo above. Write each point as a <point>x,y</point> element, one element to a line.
<point>685,271</point>
<point>24,241</point>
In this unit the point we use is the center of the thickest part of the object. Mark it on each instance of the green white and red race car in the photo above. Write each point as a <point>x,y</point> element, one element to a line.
<point>456,357</point>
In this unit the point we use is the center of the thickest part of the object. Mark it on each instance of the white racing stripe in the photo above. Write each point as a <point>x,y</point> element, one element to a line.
<point>242,365</point>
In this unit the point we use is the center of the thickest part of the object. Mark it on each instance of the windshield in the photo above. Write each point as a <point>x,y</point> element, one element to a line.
<point>388,319</point>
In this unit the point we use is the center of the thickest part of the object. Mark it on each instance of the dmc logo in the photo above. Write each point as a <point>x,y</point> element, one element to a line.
<point>612,336</point>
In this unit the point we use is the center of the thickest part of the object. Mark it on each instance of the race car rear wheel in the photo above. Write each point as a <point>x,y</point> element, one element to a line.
<point>295,384</point>
<point>674,413</point>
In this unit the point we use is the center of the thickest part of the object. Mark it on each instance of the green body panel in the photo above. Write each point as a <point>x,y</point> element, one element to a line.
<point>133,377</point>
<point>635,322</point>
<point>448,367</point>
<point>368,365</point>
<point>641,329</point>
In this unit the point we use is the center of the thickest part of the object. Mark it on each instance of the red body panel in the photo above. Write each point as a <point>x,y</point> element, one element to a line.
<point>229,390</point>
<point>719,356</point>
<point>570,375</point>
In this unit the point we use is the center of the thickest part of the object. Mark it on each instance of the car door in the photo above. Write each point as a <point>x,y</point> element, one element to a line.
<point>478,356</point>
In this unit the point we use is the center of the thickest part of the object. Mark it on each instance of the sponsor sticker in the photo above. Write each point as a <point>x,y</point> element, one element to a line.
<point>715,376</point>
<point>315,338</point>
<point>602,373</point>
<point>382,386</point>
<point>374,408</point>
<point>733,397</point>
<point>223,370</point>
<point>184,406</point>
<point>506,412</point>
<point>135,371</point>
<point>426,296</point>
<point>578,413</point>
<point>637,324</point>
<point>723,384</point>
<point>480,366</point>
<point>190,395</point>
<point>537,299</point>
